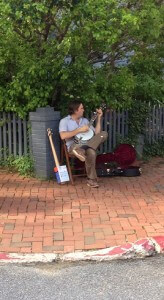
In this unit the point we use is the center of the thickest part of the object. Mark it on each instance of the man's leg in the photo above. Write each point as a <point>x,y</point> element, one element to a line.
<point>93,142</point>
<point>90,156</point>
<point>97,140</point>
<point>90,164</point>
<point>77,151</point>
<point>90,161</point>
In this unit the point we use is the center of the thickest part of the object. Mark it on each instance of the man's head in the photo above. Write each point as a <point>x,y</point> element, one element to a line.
<point>76,108</point>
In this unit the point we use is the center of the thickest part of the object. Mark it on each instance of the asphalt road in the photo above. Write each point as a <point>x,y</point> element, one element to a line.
<point>117,280</point>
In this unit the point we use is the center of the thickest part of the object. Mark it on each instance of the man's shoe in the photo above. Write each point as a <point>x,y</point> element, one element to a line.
<point>79,153</point>
<point>92,183</point>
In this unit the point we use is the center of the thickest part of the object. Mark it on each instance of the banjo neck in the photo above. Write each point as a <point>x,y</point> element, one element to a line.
<point>95,114</point>
<point>94,117</point>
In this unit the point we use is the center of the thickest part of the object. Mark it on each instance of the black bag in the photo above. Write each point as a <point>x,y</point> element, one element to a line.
<point>104,171</point>
<point>130,171</point>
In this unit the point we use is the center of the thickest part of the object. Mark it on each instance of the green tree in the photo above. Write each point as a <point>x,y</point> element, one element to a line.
<point>53,51</point>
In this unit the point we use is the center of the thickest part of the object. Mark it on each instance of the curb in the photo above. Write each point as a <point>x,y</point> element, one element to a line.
<point>142,248</point>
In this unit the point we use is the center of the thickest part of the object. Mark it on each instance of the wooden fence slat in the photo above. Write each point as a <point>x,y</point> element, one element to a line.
<point>25,136</point>
<point>14,135</point>
<point>20,137</point>
<point>146,128</point>
<point>118,122</point>
<point>29,137</point>
<point>153,126</point>
<point>1,140</point>
<point>150,126</point>
<point>9,133</point>
<point>160,122</point>
<point>110,114</point>
<point>157,123</point>
<point>123,124</point>
<point>4,136</point>
<point>163,123</point>
<point>102,126</point>
<point>126,122</point>
<point>114,130</point>
<point>105,146</point>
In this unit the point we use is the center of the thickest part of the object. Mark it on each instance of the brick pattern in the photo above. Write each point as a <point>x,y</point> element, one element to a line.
<point>42,216</point>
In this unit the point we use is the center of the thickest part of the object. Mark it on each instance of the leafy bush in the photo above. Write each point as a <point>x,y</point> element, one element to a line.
<point>155,149</point>
<point>53,51</point>
<point>23,165</point>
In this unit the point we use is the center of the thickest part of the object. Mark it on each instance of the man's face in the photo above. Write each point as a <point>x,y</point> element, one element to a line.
<point>80,111</point>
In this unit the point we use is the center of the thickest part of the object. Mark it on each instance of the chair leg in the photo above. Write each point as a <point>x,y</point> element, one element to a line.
<point>62,154</point>
<point>69,167</point>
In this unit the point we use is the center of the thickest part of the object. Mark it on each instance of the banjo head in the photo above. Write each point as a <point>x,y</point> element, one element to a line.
<point>85,136</point>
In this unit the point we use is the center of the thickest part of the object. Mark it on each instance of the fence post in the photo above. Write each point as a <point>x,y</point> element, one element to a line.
<point>40,120</point>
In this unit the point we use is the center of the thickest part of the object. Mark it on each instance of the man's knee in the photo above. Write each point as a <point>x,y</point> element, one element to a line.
<point>104,135</point>
<point>91,153</point>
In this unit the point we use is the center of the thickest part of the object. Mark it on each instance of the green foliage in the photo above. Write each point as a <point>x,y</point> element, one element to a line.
<point>53,51</point>
<point>136,118</point>
<point>155,149</point>
<point>23,165</point>
<point>126,140</point>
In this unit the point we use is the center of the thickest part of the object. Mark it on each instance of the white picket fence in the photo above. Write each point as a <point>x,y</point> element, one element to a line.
<point>15,138</point>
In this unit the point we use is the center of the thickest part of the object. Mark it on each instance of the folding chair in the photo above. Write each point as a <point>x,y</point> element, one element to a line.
<point>75,167</point>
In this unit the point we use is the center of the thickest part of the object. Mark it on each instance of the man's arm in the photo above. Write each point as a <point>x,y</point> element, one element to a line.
<point>98,125</point>
<point>69,134</point>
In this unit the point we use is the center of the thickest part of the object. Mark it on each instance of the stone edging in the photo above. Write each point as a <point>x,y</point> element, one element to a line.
<point>142,248</point>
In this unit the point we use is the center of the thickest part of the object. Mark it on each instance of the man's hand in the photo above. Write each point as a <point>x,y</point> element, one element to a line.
<point>100,113</point>
<point>84,128</point>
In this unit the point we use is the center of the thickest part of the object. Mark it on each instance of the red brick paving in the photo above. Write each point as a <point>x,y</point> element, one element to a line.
<point>42,216</point>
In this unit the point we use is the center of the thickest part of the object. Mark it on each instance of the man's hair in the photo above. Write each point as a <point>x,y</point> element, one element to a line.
<point>73,106</point>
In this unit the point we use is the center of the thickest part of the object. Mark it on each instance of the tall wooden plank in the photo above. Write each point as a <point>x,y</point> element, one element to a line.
<point>1,140</point>
<point>157,123</point>
<point>163,123</point>
<point>29,133</point>
<point>150,126</point>
<point>14,135</point>
<point>122,124</point>
<point>25,136</point>
<point>146,129</point>
<point>4,137</point>
<point>20,137</point>
<point>160,122</point>
<point>153,124</point>
<point>9,133</point>
<point>118,123</point>
<point>105,146</point>
<point>102,127</point>
<point>114,130</point>
<point>110,114</point>
<point>126,123</point>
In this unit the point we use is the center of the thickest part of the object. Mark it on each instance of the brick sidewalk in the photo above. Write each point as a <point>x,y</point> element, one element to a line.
<point>41,216</point>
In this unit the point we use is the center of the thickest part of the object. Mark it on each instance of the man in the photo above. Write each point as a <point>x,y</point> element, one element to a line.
<point>75,123</point>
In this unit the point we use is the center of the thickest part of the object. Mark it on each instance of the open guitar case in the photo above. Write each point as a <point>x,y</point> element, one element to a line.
<point>118,163</point>
<point>122,158</point>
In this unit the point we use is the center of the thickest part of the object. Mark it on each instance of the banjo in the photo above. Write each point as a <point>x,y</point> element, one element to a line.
<point>84,137</point>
